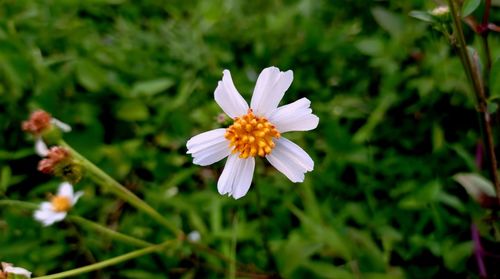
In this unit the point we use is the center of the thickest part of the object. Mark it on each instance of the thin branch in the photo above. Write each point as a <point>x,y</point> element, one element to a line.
<point>480,96</point>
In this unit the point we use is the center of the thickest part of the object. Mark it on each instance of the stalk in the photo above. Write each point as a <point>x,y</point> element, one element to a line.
<point>106,181</point>
<point>480,96</point>
<point>109,262</point>
<point>109,232</point>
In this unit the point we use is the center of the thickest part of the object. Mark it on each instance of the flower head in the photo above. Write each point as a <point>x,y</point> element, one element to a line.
<point>10,271</point>
<point>59,205</point>
<point>54,157</point>
<point>44,128</point>
<point>59,162</point>
<point>38,122</point>
<point>256,131</point>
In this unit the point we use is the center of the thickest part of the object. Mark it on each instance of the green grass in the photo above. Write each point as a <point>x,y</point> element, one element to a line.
<point>135,80</point>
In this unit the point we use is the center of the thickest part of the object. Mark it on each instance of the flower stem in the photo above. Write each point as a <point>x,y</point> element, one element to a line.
<point>109,262</point>
<point>85,223</point>
<point>109,232</point>
<point>479,91</point>
<point>103,179</point>
<point>27,205</point>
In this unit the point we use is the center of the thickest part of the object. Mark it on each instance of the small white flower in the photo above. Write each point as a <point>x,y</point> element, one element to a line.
<point>194,236</point>
<point>440,11</point>
<point>256,131</point>
<point>59,205</point>
<point>19,271</point>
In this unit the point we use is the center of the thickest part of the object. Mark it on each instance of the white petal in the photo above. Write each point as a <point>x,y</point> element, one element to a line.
<point>76,197</point>
<point>41,215</point>
<point>48,217</point>
<point>236,177</point>
<point>290,159</point>
<point>269,90</point>
<point>55,217</point>
<point>228,98</point>
<point>66,190</point>
<point>209,147</point>
<point>41,148</point>
<point>17,271</point>
<point>61,125</point>
<point>46,206</point>
<point>296,116</point>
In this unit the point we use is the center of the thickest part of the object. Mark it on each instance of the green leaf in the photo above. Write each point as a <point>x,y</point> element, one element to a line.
<point>423,16</point>
<point>151,87</point>
<point>90,76</point>
<point>475,184</point>
<point>370,46</point>
<point>469,7</point>
<point>327,270</point>
<point>389,21</point>
<point>455,256</point>
<point>5,175</point>
<point>132,110</point>
<point>477,66</point>
<point>494,79</point>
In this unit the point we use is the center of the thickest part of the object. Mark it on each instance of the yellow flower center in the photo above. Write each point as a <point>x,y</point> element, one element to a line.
<point>61,203</point>
<point>251,135</point>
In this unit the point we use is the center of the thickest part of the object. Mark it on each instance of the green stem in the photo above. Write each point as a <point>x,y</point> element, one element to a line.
<point>27,205</point>
<point>480,96</point>
<point>109,232</point>
<point>103,179</point>
<point>109,262</point>
<point>84,223</point>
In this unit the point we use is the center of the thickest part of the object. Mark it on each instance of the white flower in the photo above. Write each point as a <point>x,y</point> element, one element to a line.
<point>440,11</point>
<point>256,131</point>
<point>58,207</point>
<point>194,236</point>
<point>10,269</point>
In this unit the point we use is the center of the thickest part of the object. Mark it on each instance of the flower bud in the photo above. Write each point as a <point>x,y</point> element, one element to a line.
<point>440,11</point>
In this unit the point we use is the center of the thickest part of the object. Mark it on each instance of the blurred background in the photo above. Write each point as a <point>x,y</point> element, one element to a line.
<point>135,80</point>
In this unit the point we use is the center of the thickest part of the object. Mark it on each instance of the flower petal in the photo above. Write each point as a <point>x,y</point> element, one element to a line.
<point>41,148</point>
<point>66,190</point>
<point>228,98</point>
<point>296,116</point>
<point>46,206</point>
<point>290,159</point>
<point>48,217</point>
<point>17,271</point>
<point>269,90</point>
<point>61,125</point>
<point>76,197</point>
<point>41,214</point>
<point>208,147</point>
<point>236,177</point>
<point>56,217</point>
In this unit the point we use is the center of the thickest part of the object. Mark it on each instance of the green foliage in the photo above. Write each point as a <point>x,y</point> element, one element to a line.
<point>469,6</point>
<point>135,80</point>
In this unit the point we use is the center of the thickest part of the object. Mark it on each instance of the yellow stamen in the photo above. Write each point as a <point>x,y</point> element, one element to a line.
<point>61,203</point>
<point>251,135</point>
